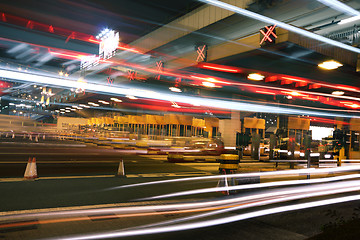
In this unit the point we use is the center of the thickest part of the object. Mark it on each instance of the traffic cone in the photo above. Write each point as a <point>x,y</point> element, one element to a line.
<point>223,183</point>
<point>27,169</point>
<point>121,170</point>
<point>31,170</point>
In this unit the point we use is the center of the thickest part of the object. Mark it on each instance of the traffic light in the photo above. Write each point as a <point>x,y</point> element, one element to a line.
<point>242,139</point>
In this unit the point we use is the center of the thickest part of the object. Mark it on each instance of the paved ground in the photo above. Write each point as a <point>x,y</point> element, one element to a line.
<point>80,175</point>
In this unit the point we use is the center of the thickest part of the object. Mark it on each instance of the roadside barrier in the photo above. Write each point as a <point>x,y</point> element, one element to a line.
<point>229,163</point>
<point>175,157</point>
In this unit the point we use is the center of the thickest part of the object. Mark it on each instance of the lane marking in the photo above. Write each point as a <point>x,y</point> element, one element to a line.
<point>140,175</point>
<point>51,178</point>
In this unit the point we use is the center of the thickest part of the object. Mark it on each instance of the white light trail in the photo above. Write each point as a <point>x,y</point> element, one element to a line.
<point>283,25</point>
<point>215,103</point>
<point>231,204</point>
<point>255,186</point>
<point>341,7</point>
<point>348,20</point>
<point>273,173</point>
<point>254,203</point>
<point>218,221</point>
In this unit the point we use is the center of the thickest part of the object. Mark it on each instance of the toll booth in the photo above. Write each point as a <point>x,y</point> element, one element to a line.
<point>354,150</point>
<point>256,128</point>
<point>297,131</point>
<point>298,128</point>
<point>211,127</point>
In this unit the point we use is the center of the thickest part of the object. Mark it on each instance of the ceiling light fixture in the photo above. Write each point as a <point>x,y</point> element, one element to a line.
<point>83,105</point>
<point>131,97</point>
<point>255,77</point>
<point>115,100</point>
<point>175,89</point>
<point>208,84</point>
<point>93,104</point>
<point>337,93</point>
<point>103,102</point>
<point>330,65</point>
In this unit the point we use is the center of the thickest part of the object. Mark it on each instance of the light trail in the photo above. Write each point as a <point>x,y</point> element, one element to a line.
<point>283,25</point>
<point>218,221</point>
<point>254,203</point>
<point>273,173</point>
<point>178,206</point>
<point>255,186</point>
<point>341,7</point>
<point>222,104</point>
<point>219,206</point>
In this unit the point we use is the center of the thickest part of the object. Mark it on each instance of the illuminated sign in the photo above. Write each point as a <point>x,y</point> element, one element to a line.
<point>202,53</point>
<point>160,68</point>
<point>88,62</point>
<point>110,80</point>
<point>269,35</point>
<point>131,75</point>
<point>108,45</point>
<point>107,48</point>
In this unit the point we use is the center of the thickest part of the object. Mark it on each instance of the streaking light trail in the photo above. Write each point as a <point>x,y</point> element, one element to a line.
<point>218,221</point>
<point>258,185</point>
<point>215,103</point>
<point>342,7</point>
<point>283,25</point>
<point>277,173</point>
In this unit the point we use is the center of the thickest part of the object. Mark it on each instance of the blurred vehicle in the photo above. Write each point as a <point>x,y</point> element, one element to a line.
<point>264,148</point>
<point>207,146</point>
<point>282,151</point>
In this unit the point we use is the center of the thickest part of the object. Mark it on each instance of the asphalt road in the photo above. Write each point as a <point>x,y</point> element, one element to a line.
<point>80,176</point>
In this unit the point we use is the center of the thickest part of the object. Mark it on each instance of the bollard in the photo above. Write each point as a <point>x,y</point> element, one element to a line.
<point>228,163</point>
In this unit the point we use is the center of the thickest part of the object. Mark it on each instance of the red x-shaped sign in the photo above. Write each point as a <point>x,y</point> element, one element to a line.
<point>110,80</point>
<point>201,53</point>
<point>131,75</point>
<point>270,31</point>
<point>159,66</point>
